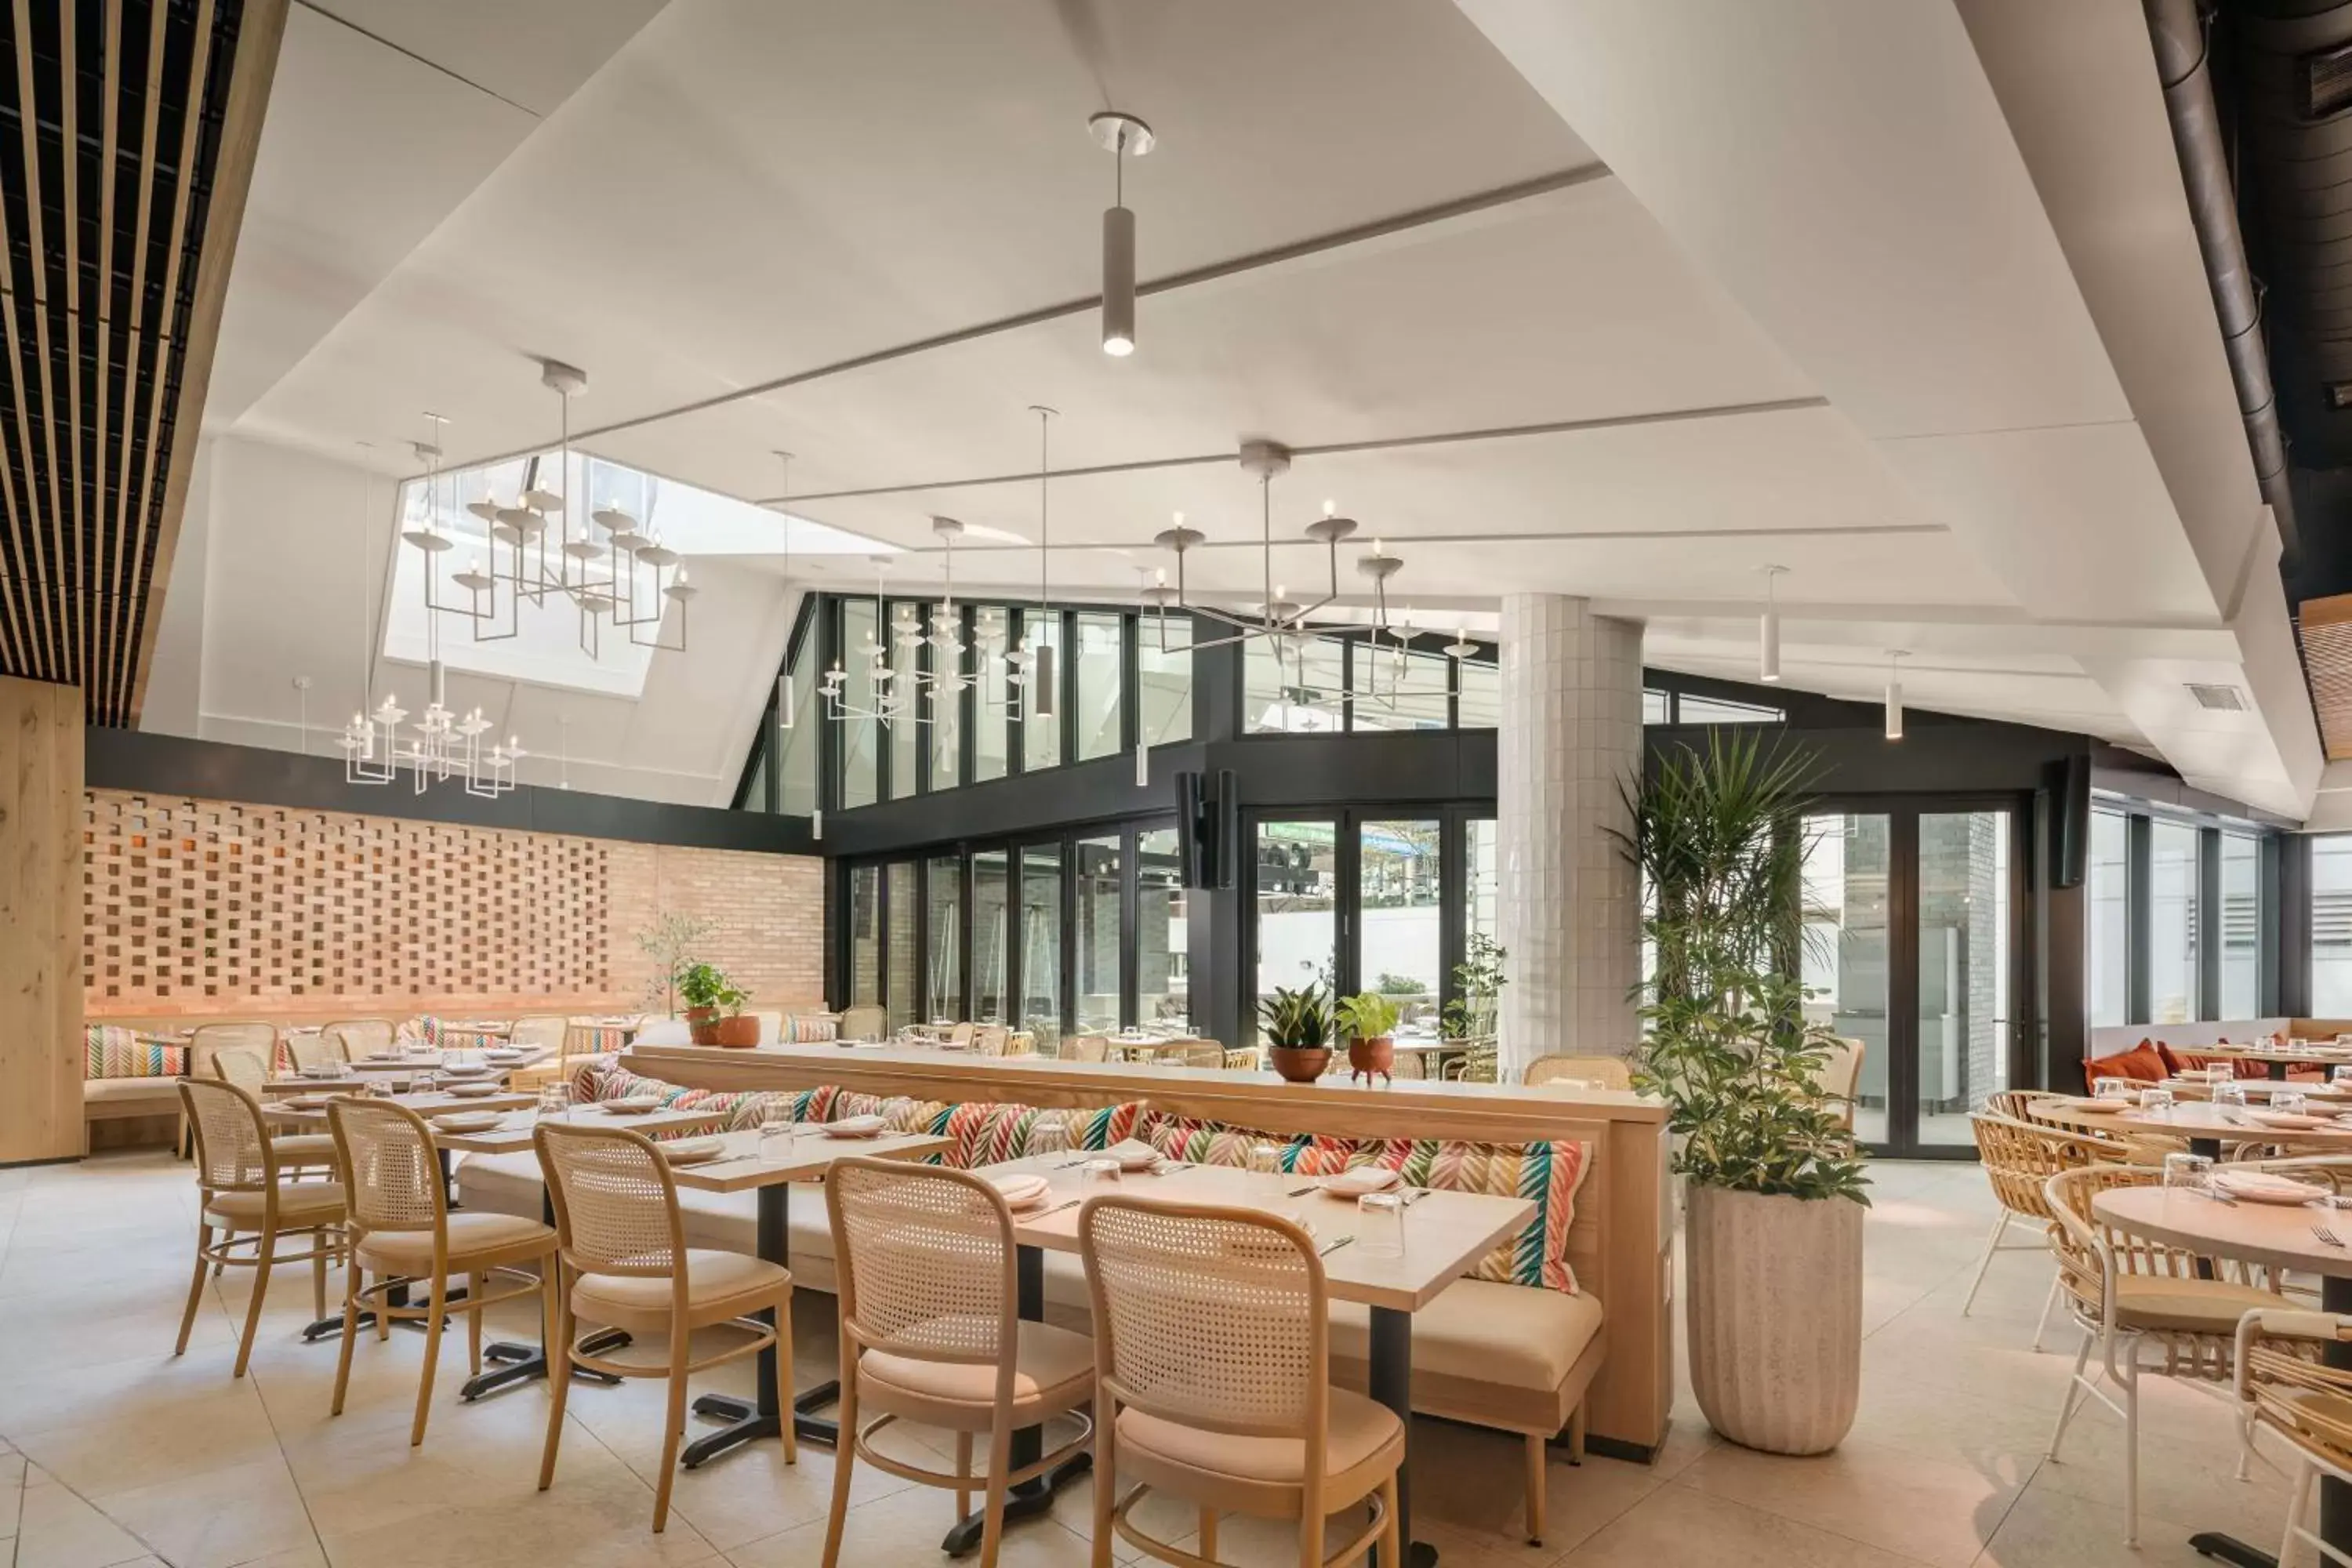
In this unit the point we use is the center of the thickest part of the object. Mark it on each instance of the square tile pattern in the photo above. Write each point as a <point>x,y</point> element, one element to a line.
<point>112,1452</point>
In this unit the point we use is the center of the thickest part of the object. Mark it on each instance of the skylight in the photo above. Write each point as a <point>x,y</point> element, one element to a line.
<point>550,642</point>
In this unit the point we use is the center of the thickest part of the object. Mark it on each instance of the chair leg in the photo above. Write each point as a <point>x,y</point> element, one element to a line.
<point>1310,1535</point>
<point>318,1274</point>
<point>1993,1245</point>
<point>1576,1435</point>
<point>785,1379</point>
<point>474,1282</point>
<point>351,1280</point>
<point>558,1371</point>
<point>1535,1488</point>
<point>1105,1478</point>
<point>2131,1455</point>
<point>963,1473</point>
<point>1000,1461</point>
<point>2041,1324</point>
<point>383,1322</point>
<point>195,1289</point>
<point>1391,1543</point>
<point>679,1338</point>
<point>438,1308</point>
<point>2298,1500</point>
<point>253,1308</point>
<point>2074,1396</point>
<point>1209,1533</point>
<point>844,1454</point>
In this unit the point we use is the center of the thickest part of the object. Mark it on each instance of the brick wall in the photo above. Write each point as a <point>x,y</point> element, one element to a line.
<point>196,908</point>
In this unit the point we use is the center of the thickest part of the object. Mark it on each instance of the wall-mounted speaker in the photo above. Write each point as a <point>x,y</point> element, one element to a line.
<point>2071,823</point>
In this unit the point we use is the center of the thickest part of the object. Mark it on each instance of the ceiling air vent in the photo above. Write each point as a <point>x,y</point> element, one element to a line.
<point>2217,699</point>
<point>2326,80</point>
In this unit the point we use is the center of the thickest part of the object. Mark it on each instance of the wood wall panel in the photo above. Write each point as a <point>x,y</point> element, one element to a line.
<point>40,927</point>
<point>190,906</point>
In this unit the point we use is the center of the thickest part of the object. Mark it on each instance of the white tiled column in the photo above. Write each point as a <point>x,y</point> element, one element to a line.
<point>1570,740</point>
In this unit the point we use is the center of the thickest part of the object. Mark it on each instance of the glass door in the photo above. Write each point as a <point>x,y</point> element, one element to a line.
<point>1399,911</point>
<point>1910,940</point>
<point>1297,929</point>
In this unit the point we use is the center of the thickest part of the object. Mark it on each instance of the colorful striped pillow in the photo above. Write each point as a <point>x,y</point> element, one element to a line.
<point>903,1115</point>
<point>807,1029</point>
<point>1549,1174</point>
<point>985,1132</point>
<point>109,1050</point>
<point>1211,1142</point>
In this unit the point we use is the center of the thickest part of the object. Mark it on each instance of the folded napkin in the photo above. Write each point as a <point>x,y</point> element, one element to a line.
<point>1133,1154</point>
<point>1364,1179</point>
<point>1021,1187</point>
<point>855,1124</point>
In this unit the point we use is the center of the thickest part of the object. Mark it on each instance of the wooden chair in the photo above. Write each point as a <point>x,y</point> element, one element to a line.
<point>923,1259</point>
<point>862,1024</point>
<point>1602,1072</point>
<point>206,1041</point>
<point>959,1037</point>
<point>2282,1385</point>
<point>1205,1054</point>
<point>990,1039</point>
<point>2012,1102</point>
<point>545,1030</point>
<point>2144,1306</point>
<point>1842,1075</point>
<point>2019,1159</point>
<point>1213,1383</point>
<point>623,1251</point>
<point>242,1195</point>
<point>308,1152</point>
<point>362,1036</point>
<point>317,1050</point>
<point>402,1230</point>
<point>1085,1048</point>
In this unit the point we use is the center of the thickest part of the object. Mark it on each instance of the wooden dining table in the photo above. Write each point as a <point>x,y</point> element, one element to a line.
<point>1445,1234</point>
<point>2276,1061</point>
<point>2274,1236</point>
<point>2205,1125</point>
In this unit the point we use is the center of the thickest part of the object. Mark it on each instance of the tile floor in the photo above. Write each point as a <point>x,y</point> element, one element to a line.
<point>112,1452</point>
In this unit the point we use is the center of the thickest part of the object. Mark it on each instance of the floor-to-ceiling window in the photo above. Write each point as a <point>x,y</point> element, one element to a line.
<point>899,984</point>
<point>1846,945</point>
<point>860,741</point>
<point>1040,987</point>
<point>2241,926</point>
<point>1095,876</point>
<point>1040,731</point>
<point>992,918</point>
<point>1962,931</point>
<point>907,733</point>
<point>2110,918</point>
<point>991,742</point>
<point>1297,929</point>
<point>943,978</point>
<point>2172,948</point>
<point>2331,926</point>
<point>1163,679</point>
<point>1100,717</point>
<point>1482,881</point>
<point>865,936</point>
<point>1294,685</point>
<point>1400,949</point>
<point>1161,937</point>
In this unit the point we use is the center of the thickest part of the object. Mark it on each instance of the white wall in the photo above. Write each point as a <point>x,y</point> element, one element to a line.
<point>267,586</point>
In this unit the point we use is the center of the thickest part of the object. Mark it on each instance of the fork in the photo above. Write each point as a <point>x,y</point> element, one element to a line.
<point>1336,1245</point>
<point>2327,1237</point>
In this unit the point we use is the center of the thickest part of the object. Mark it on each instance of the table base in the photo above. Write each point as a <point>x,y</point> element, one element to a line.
<point>527,1364</point>
<point>746,1421</point>
<point>1027,1500</point>
<point>2230,1549</point>
<point>2334,1497</point>
<point>331,1325</point>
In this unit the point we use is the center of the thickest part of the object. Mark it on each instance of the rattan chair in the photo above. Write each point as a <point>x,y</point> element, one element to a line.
<point>1602,1072</point>
<point>991,1040</point>
<point>362,1036</point>
<point>1213,1383</point>
<point>623,1254</point>
<point>1086,1049</point>
<point>923,1260</point>
<point>242,1195</point>
<point>1841,1077</point>
<point>862,1024</point>
<point>544,1030</point>
<point>308,1152</point>
<point>2012,1102</point>
<point>2281,1385</point>
<point>960,1036</point>
<point>314,1050</point>
<point>1205,1053</point>
<point>401,1229</point>
<point>2018,1158</point>
<point>2135,1298</point>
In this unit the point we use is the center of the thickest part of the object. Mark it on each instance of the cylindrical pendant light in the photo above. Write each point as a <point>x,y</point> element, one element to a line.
<point>1895,695</point>
<point>1123,136</point>
<point>784,701</point>
<point>1142,762</point>
<point>816,823</point>
<point>1041,680</point>
<point>1118,282</point>
<point>1768,631</point>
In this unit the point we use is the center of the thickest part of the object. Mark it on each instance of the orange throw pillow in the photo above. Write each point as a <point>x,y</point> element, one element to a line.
<point>2141,1064</point>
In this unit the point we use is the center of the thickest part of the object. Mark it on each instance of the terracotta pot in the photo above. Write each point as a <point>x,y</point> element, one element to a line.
<point>1299,1064</point>
<point>1365,1057</point>
<point>1775,1305</point>
<point>741,1031</point>
<point>702,1025</point>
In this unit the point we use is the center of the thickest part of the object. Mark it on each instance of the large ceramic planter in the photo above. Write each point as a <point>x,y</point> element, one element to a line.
<point>1299,1064</point>
<point>702,1025</point>
<point>1775,1311</point>
<point>738,1031</point>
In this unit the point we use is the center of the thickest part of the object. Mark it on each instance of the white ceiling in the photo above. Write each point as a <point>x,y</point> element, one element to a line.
<point>1915,284</point>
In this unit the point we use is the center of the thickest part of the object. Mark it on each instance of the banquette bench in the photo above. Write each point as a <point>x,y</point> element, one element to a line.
<point>1587,1355</point>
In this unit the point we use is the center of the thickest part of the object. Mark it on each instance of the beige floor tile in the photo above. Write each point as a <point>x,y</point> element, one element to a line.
<point>127,1447</point>
<point>1472,1482</point>
<point>1676,1525</point>
<point>1937,1512</point>
<point>2048,1529</point>
<point>59,1529</point>
<point>182,1519</point>
<point>906,1528</point>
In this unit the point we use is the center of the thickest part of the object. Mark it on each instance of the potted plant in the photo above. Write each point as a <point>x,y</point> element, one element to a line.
<point>1775,1187</point>
<point>705,990</point>
<point>1470,1020</point>
<point>737,1029</point>
<point>1369,1018</point>
<point>1298,1030</point>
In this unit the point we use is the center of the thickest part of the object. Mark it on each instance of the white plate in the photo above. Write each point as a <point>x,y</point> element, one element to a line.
<point>2291,1120</point>
<point>1133,1154</point>
<point>471,1091</point>
<point>470,1069</point>
<point>503,1054</point>
<point>692,1151</point>
<point>467,1121</point>
<point>2101,1107</point>
<point>629,1107</point>
<point>2265,1187</point>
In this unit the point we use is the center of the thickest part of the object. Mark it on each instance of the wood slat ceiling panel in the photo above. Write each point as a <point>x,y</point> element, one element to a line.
<point>127,130</point>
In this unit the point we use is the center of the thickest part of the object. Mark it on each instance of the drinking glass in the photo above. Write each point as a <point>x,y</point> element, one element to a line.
<point>2114,1089</point>
<point>2230,1096</point>
<point>2291,1101</point>
<point>1265,1159</point>
<point>778,1131</point>
<point>2156,1096</point>
<point>554,1102</point>
<point>2341,1074</point>
<point>1380,1224</point>
<point>2193,1173</point>
<point>1097,1176</point>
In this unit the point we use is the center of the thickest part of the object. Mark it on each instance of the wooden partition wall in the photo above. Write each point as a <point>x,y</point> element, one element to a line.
<point>1621,1242</point>
<point>40,922</point>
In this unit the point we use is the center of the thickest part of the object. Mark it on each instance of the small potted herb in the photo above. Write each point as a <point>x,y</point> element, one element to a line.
<point>707,993</point>
<point>1299,1028</point>
<point>1371,1020</point>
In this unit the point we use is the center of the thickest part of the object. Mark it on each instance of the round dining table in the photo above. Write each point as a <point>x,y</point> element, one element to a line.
<point>2275,1235</point>
<point>2207,1126</point>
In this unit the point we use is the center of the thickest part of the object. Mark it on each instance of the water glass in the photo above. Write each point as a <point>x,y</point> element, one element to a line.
<point>778,1131</point>
<point>2291,1101</point>
<point>1265,1159</point>
<point>2340,1074</point>
<point>1096,1176</point>
<point>2230,1096</point>
<point>2156,1096</point>
<point>554,1102</point>
<point>1380,1224</point>
<point>2193,1173</point>
<point>2114,1089</point>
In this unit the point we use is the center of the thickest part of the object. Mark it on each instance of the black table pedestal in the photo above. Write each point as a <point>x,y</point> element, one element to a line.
<point>758,1416</point>
<point>1034,1496</point>
<point>2334,1497</point>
